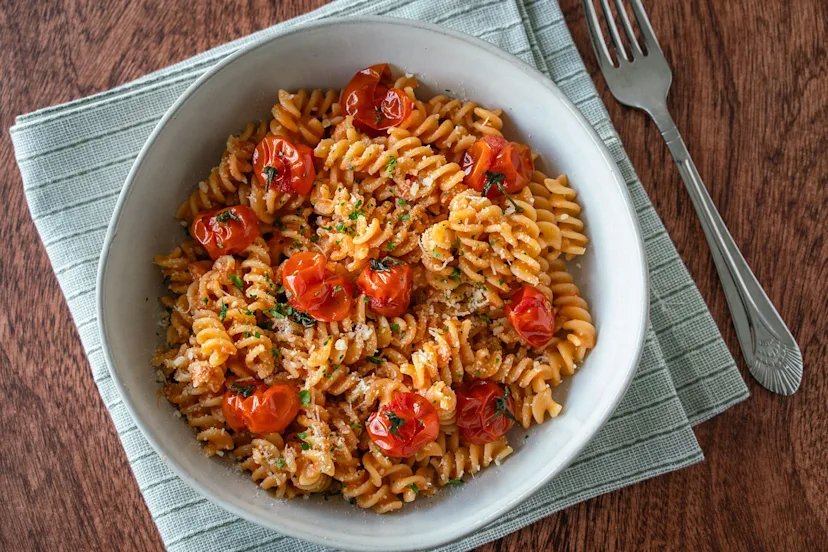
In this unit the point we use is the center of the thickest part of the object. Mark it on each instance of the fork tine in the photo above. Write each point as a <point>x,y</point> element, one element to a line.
<point>647,33</point>
<point>628,30</point>
<point>597,38</point>
<point>620,51</point>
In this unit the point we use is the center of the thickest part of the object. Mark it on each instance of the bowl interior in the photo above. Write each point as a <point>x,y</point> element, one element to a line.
<point>190,141</point>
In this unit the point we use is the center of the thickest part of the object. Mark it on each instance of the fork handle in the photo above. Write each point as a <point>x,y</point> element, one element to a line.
<point>769,349</point>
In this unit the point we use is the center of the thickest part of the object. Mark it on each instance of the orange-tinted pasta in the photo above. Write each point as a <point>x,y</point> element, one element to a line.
<point>400,194</point>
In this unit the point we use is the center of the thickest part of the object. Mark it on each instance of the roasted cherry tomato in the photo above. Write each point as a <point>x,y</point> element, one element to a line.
<point>496,166</point>
<point>288,167</point>
<point>226,231</point>
<point>331,300</point>
<point>312,289</point>
<point>402,426</point>
<point>371,101</point>
<point>261,409</point>
<point>302,272</point>
<point>532,316</point>
<point>387,283</point>
<point>485,411</point>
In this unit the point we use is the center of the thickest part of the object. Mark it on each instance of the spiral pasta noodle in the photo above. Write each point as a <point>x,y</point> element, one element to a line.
<point>399,195</point>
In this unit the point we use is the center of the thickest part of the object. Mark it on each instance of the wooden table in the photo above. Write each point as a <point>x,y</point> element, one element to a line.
<point>750,96</point>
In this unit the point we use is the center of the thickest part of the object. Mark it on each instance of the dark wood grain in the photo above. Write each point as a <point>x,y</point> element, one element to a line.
<point>749,95</point>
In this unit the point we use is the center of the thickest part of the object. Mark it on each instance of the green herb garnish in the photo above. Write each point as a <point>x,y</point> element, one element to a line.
<point>375,360</point>
<point>455,482</point>
<point>223,312</point>
<point>396,422</point>
<point>304,397</point>
<point>496,179</point>
<point>270,175</point>
<point>502,406</point>
<point>243,390</point>
<point>391,165</point>
<point>225,216</point>
<point>385,264</point>
<point>237,282</point>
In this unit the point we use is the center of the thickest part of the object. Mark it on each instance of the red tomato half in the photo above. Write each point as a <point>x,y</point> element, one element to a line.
<point>226,231</point>
<point>496,163</point>
<point>259,408</point>
<point>313,289</point>
<point>331,300</point>
<point>288,167</point>
<point>371,101</point>
<point>484,411</point>
<point>532,316</point>
<point>300,273</point>
<point>401,427</point>
<point>388,284</point>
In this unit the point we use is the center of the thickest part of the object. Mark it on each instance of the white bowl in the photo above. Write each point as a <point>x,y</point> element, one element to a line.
<point>188,142</point>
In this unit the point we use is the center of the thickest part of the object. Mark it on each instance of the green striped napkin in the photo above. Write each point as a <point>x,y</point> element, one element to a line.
<point>74,159</point>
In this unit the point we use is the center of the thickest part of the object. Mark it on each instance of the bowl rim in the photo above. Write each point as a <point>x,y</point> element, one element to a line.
<point>450,532</point>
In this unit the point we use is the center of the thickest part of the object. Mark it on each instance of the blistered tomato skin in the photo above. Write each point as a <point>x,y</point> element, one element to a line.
<point>496,166</point>
<point>334,300</point>
<point>301,276</point>
<point>226,231</point>
<point>371,101</point>
<point>311,288</point>
<point>283,165</point>
<point>388,285</point>
<point>484,411</point>
<point>532,316</point>
<point>260,409</point>
<point>404,425</point>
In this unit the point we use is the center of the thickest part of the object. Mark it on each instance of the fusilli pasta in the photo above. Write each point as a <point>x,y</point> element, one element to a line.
<point>398,196</point>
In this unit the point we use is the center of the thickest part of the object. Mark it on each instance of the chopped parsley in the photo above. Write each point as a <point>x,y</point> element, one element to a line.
<point>384,264</point>
<point>243,390</point>
<point>396,422</point>
<point>314,238</point>
<point>405,216</point>
<point>414,488</point>
<point>391,165</point>
<point>496,179</point>
<point>206,300</point>
<point>395,327</point>
<point>225,216</point>
<point>280,463</point>
<point>270,175</point>
<point>401,202</point>
<point>390,246</point>
<point>375,360</point>
<point>223,312</point>
<point>282,310</point>
<point>304,397</point>
<point>455,274</point>
<point>237,282</point>
<point>357,211</point>
<point>502,406</point>
<point>305,446</point>
<point>455,482</point>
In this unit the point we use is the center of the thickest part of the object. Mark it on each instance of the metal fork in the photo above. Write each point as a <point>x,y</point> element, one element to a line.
<point>643,80</point>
